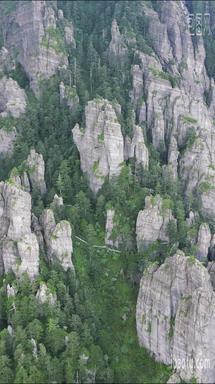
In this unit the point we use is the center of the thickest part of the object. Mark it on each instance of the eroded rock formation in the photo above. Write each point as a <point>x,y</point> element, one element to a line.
<point>174,83</point>
<point>32,31</point>
<point>44,295</point>
<point>69,96</point>
<point>100,144</point>
<point>117,49</point>
<point>135,148</point>
<point>7,141</point>
<point>22,234</point>
<point>19,249</point>
<point>12,98</point>
<point>175,316</point>
<point>111,239</point>
<point>58,241</point>
<point>203,242</point>
<point>152,222</point>
<point>36,171</point>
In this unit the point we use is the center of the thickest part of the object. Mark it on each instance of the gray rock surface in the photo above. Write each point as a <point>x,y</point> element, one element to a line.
<point>211,271</point>
<point>203,242</point>
<point>136,148</point>
<point>36,171</point>
<point>69,35</point>
<point>19,249</point>
<point>191,219</point>
<point>69,96</point>
<point>31,31</point>
<point>12,98</point>
<point>58,239</point>
<point>57,201</point>
<point>44,295</point>
<point>111,239</point>
<point>174,379</point>
<point>28,251</point>
<point>175,316</point>
<point>100,144</point>
<point>60,14</point>
<point>173,154</point>
<point>117,49</point>
<point>11,291</point>
<point>7,141</point>
<point>37,230</point>
<point>7,63</point>
<point>152,222</point>
<point>174,82</point>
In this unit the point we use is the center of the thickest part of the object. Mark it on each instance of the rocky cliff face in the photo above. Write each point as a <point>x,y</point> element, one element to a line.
<point>32,176</point>
<point>69,96</point>
<point>175,316</point>
<point>101,144</point>
<point>174,313</point>
<point>22,235</point>
<point>135,148</point>
<point>12,98</point>
<point>117,49</point>
<point>203,242</point>
<point>174,82</point>
<point>36,171</point>
<point>7,63</point>
<point>57,238</point>
<point>19,248</point>
<point>7,140</point>
<point>110,237</point>
<point>13,103</point>
<point>44,295</point>
<point>31,33</point>
<point>152,222</point>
